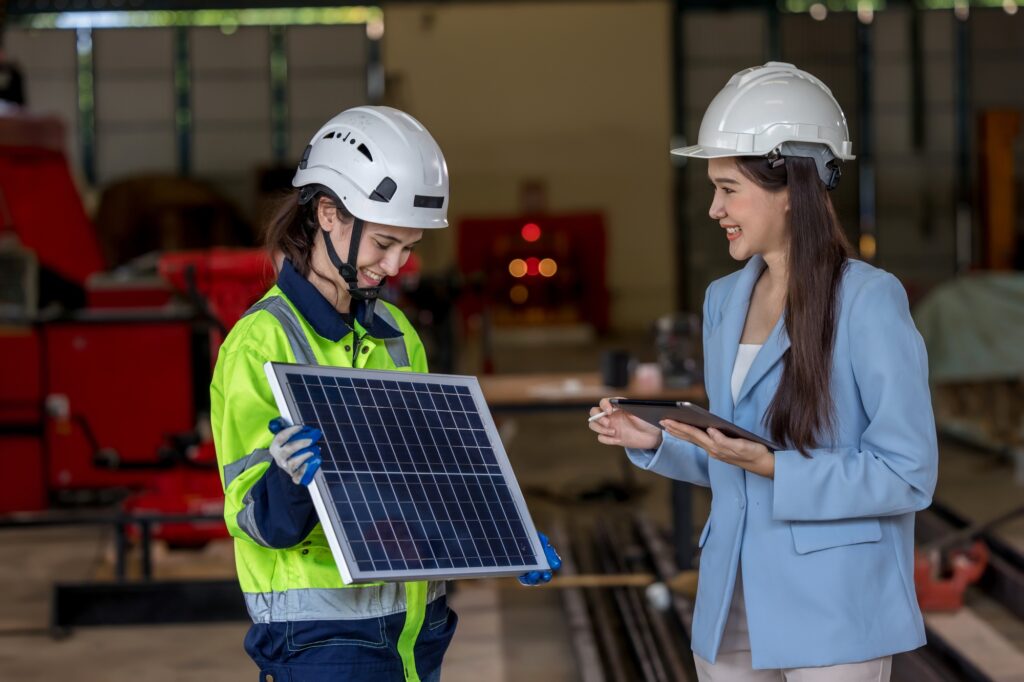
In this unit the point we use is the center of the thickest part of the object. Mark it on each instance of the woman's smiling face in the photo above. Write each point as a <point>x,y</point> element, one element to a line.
<point>754,220</point>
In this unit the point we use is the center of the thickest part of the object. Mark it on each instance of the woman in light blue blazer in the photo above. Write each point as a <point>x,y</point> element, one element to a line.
<point>806,569</point>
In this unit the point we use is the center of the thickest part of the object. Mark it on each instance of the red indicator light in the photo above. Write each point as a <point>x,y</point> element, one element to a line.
<point>532,266</point>
<point>530,232</point>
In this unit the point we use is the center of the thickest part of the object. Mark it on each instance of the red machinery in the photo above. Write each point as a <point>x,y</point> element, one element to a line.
<point>110,396</point>
<point>940,589</point>
<point>536,269</point>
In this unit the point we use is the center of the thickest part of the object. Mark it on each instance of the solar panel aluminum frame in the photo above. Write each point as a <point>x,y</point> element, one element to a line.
<point>344,557</point>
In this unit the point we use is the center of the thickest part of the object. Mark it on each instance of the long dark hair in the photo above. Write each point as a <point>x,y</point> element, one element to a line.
<point>802,411</point>
<point>291,228</point>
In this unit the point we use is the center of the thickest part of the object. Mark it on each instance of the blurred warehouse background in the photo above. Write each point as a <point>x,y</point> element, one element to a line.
<point>139,141</point>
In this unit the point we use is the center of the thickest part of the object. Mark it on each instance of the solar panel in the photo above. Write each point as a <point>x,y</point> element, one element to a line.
<point>414,481</point>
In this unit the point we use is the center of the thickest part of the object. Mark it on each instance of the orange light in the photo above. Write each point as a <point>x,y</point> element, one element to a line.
<point>532,265</point>
<point>517,268</point>
<point>530,232</point>
<point>548,267</point>
<point>519,294</point>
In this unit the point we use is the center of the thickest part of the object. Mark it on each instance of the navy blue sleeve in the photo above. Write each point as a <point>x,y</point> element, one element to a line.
<point>283,511</point>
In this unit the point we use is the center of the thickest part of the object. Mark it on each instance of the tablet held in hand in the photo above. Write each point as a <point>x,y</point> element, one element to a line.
<point>653,411</point>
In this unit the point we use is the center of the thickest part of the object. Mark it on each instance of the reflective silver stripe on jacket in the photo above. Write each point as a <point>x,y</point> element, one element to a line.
<point>247,519</point>
<point>300,344</point>
<point>235,469</point>
<point>396,346</point>
<point>345,603</point>
<point>276,306</point>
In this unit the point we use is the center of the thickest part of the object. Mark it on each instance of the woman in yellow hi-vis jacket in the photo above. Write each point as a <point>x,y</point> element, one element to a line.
<point>370,182</point>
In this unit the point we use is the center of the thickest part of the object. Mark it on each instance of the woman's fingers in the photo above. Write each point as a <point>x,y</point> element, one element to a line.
<point>618,427</point>
<point>687,432</point>
<point>740,449</point>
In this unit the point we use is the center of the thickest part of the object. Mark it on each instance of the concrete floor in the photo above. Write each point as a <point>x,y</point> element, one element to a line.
<point>505,633</point>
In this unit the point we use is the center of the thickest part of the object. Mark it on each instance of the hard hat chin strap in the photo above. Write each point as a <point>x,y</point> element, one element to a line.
<point>348,270</point>
<point>350,273</point>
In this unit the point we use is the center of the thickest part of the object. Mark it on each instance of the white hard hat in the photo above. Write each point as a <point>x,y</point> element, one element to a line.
<point>383,165</point>
<point>774,109</point>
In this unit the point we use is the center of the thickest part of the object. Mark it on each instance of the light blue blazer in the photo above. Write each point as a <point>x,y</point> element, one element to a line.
<point>827,547</point>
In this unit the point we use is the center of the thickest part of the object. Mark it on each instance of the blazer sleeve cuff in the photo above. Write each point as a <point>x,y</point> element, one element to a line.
<point>642,458</point>
<point>674,458</point>
<point>788,492</point>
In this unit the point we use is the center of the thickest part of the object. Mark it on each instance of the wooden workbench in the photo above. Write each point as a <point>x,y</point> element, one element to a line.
<point>568,390</point>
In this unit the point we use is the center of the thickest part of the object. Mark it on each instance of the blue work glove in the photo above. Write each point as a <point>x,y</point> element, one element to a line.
<point>294,449</point>
<point>555,561</point>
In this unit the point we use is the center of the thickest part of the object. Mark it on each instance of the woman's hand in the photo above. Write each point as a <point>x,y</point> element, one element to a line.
<point>746,454</point>
<point>623,429</point>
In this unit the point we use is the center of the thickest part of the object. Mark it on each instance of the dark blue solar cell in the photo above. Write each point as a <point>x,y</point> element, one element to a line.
<point>432,419</point>
<point>371,493</point>
<point>316,393</point>
<point>419,421</point>
<point>377,433</point>
<point>435,459</point>
<point>387,493</point>
<point>377,552</point>
<point>417,491</point>
<point>361,552</point>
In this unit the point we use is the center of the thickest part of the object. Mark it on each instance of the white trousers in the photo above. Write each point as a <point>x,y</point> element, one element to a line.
<point>735,666</point>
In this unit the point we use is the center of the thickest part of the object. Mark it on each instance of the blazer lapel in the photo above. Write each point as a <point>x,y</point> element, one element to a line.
<point>724,341</point>
<point>771,352</point>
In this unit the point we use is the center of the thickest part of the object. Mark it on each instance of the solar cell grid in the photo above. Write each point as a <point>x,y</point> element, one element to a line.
<point>414,478</point>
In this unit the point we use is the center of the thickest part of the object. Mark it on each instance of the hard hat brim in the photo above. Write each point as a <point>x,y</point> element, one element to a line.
<point>701,152</point>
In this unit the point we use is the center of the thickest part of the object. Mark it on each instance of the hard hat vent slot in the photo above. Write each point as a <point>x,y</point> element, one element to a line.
<point>420,201</point>
<point>366,152</point>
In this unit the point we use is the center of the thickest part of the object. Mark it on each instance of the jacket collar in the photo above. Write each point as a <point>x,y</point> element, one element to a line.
<point>725,339</point>
<point>321,315</point>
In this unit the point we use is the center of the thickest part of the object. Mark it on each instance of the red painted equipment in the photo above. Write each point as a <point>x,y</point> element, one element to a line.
<point>109,400</point>
<point>942,589</point>
<point>945,567</point>
<point>536,269</point>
